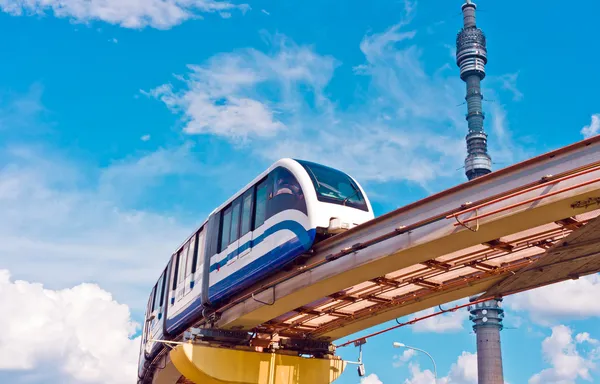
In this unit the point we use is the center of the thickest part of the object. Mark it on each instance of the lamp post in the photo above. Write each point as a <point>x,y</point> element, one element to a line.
<point>402,345</point>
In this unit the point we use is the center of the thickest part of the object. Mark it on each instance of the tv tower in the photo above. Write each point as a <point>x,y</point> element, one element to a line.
<point>471,57</point>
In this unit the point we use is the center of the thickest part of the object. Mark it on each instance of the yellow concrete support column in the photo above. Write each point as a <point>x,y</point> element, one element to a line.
<point>210,365</point>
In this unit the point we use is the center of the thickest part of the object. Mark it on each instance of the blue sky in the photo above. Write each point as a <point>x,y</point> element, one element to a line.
<point>124,123</point>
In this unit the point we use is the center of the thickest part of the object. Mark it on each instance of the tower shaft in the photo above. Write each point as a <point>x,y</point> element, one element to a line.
<point>489,356</point>
<point>487,324</point>
<point>471,57</point>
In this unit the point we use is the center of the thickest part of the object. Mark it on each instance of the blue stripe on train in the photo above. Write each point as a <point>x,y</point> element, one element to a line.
<point>291,225</point>
<point>248,275</point>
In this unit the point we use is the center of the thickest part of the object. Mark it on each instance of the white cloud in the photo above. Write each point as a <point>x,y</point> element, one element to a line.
<point>567,364</point>
<point>420,377</point>
<point>509,83</point>
<point>145,137</point>
<point>444,323</point>
<point>585,337</point>
<point>405,357</point>
<point>371,379</point>
<point>64,224</point>
<point>161,14</point>
<point>82,331</point>
<point>222,97</point>
<point>463,371</point>
<point>265,12</point>
<point>405,126</point>
<point>66,221</point>
<point>593,128</point>
<point>569,299</point>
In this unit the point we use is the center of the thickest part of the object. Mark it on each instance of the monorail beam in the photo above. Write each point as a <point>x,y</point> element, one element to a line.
<point>508,213</point>
<point>211,365</point>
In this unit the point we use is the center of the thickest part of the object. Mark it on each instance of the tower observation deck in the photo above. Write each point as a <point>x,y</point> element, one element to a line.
<point>471,57</point>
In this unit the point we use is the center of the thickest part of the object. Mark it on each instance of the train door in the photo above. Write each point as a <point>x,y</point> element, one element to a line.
<point>245,241</point>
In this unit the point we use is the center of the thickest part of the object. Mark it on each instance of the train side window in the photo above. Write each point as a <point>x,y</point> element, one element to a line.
<point>175,270</point>
<point>200,254</point>
<point>247,212</point>
<point>159,291</point>
<point>284,183</point>
<point>225,229</point>
<point>260,214</point>
<point>235,220</point>
<point>153,299</point>
<point>183,262</point>
<point>191,256</point>
<point>163,284</point>
<point>287,193</point>
<point>196,250</point>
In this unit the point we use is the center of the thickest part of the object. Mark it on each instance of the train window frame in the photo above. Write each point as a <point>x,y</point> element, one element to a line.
<point>201,241</point>
<point>223,246</point>
<point>153,296</point>
<point>233,237</point>
<point>183,262</point>
<point>196,250</point>
<point>164,285</point>
<point>191,252</point>
<point>160,287</point>
<point>249,193</point>
<point>264,182</point>
<point>175,270</point>
<point>277,176</point>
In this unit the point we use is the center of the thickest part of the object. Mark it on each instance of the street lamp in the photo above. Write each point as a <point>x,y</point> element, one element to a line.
<point>402,345</point>
<point>361,365</point>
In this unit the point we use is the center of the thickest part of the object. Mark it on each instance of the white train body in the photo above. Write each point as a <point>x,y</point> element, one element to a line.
<point>267,224</point>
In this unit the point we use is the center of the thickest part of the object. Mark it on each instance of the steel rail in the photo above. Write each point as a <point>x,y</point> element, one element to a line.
<point>530,200</point>
<point>592,167</point>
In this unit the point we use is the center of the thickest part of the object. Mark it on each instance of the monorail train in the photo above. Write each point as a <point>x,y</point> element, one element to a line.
<point>272,221</point>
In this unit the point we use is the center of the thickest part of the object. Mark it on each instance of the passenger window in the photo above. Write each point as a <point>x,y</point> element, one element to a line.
<point>175,270</point>
<point>162,287</point>
<point>200,253</point>
<point>153,298</point>
<point>284,183</point>
<point>191,256</point>
<point>182,266</point>
<point>246,212</point>
<point>235,221</point>
<point>159,291</point>
<point>261,204</point>
<point>194,250</point>
<point>225,229</point>
<point>287,193</point>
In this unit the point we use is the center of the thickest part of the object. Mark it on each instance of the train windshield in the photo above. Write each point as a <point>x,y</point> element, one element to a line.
<point>333,186</point>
